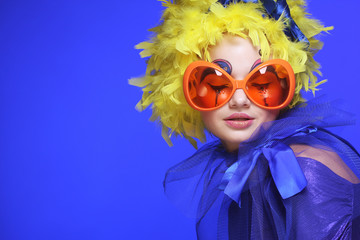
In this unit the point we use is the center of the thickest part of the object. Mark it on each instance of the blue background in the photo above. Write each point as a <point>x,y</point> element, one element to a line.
<point>77,161</point>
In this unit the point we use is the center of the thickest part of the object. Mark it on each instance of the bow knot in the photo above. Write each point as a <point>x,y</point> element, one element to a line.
<point>284,167</point>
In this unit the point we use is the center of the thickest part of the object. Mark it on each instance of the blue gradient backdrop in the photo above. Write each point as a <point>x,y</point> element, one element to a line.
<point>77,161</point>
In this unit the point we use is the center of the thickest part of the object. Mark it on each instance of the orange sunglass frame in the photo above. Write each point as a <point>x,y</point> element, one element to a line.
<point>239,84</point>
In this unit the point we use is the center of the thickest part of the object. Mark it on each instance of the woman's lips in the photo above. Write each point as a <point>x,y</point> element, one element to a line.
<point>239,121</point>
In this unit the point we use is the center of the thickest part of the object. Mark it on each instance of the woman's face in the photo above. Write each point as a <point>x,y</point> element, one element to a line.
<point>237,120</point>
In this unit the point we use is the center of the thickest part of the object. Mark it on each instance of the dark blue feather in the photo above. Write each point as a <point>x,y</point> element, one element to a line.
<point>275,10</point>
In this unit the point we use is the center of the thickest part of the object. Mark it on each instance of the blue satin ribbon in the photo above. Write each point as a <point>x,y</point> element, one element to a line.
<point>275,10</point>
<point>284,167</point>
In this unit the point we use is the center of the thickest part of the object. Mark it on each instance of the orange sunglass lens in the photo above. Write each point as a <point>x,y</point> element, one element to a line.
<point>208,87</point>
<point>269,86</point>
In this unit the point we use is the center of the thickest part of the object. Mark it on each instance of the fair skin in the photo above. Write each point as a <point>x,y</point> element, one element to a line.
<point>238,119</point>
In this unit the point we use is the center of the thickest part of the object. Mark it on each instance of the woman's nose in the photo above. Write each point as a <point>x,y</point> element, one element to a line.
<point>239,99</point>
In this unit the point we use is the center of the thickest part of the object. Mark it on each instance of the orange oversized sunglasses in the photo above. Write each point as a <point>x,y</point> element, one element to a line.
<point>270,85</point>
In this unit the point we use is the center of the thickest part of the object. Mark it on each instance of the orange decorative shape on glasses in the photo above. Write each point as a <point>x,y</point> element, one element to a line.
<point>207,86</point>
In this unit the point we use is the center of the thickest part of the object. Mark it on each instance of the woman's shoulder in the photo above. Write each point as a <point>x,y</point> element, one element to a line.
<point>326,157</point>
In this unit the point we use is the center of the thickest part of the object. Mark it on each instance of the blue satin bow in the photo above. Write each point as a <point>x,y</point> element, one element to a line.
<point>275,10</point>
<point>284,167</point>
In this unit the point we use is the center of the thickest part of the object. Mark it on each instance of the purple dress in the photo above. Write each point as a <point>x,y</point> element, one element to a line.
<point>266,191</point>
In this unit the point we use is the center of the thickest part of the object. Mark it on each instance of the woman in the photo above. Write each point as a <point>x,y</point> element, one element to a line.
<point>275,173</point>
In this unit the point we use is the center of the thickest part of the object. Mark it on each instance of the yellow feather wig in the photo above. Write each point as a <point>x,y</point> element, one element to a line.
<point>187,30</point>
